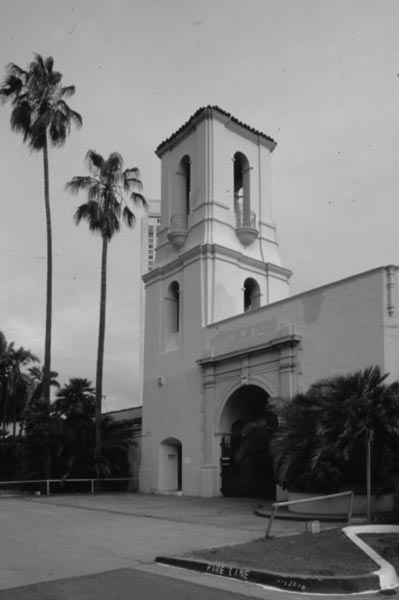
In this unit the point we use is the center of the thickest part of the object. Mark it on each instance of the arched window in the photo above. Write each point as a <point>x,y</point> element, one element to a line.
<point>172,308</point>
<point>251,294</point>
<point>241,189</point>
<point>183,186</point>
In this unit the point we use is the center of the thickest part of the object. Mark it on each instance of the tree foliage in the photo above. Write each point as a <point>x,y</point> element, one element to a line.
<point>40,112</point>
<point>38,98</point>
<point>322,441</point>
<point>108,187</point>
<point>56,438</point>
<point>13,382</point>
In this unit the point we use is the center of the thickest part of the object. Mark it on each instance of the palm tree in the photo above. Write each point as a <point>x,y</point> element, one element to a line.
<point>108,186</point>
<point>75,404</point>
<point>40,113</point>
<point>292,449</point>
<point>115,443</point>
<point>37,376</point>
<point>76,399</point>
<point>43,427</point>
<point>357,414</point>
<point>13,382</point>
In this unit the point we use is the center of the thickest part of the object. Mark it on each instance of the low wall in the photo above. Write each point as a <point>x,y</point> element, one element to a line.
<point>340,505</point>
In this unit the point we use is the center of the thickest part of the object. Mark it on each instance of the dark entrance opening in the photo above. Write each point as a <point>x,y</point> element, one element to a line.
<point>249,421</point>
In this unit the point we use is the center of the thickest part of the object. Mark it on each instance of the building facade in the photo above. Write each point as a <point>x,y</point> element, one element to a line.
<point>222,336</point>
<point>149,231</point>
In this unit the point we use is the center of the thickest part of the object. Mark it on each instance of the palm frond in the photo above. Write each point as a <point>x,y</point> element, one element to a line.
<point>114,164</point>
<point>21,119</point>
<point>38,62</point>
<point>90,212</point>
<point>67,91</point>
<point>128,216</point>
<point>94,160</point>
<point>13,69</point>
<point>138,199</point>
<point>48,64</point>
<point>11,86</point>
<point>79,183</point>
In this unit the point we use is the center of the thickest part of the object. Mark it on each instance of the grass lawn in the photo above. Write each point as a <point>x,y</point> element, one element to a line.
<point>386,544</point>
<point>329,552</point>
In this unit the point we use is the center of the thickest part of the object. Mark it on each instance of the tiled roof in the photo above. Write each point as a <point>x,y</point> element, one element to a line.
<point>210,108</point>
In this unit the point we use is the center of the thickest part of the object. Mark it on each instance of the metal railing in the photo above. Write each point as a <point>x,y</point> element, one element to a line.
<point>245,218</point>
<point>35,486</point>
<point>277,505</point>
<point>178,222</point>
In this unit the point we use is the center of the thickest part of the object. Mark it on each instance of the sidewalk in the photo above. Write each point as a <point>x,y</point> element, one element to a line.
<point>239,513</point>
<point>234,513</point>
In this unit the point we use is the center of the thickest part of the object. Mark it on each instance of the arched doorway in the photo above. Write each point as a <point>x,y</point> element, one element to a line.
<point>247,423</point>
<point>170,466</point>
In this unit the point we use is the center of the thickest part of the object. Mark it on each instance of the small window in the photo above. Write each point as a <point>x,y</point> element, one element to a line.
<point>251,294</point>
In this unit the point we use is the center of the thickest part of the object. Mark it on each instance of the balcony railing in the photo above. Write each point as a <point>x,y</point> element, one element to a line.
<point>246,226</point>
<point>178,230</point>
<point>178,222</point>
<point>245,218</point>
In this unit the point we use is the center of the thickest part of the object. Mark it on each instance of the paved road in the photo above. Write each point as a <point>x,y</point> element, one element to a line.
<point>60,537</point>
<point>124,584</point>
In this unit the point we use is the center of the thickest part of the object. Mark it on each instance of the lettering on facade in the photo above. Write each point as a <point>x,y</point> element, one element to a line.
<point>244,337</point>
<point>228,571</point>
<point>293,584</point>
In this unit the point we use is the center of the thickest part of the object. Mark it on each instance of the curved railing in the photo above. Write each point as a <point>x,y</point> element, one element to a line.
<point>178,222</point>
<point>245,218</point>
<point>178,230</point>
<point>246,226</point>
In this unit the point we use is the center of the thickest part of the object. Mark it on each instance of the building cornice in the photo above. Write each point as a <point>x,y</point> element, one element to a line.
<point>210,251</point>
<point>221,115</point>
<point>289,340</point>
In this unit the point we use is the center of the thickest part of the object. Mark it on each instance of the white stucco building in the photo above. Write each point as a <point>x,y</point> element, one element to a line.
<point>222,335</point>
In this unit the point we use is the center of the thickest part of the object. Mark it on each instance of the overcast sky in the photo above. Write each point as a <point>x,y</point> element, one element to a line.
<point>319,76</point>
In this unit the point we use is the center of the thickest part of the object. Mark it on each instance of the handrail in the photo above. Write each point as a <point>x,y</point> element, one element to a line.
<point>276,506</point>
<point>48,481</point>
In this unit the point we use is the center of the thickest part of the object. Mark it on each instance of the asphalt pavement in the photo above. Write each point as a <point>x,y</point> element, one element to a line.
<point>72,547</point>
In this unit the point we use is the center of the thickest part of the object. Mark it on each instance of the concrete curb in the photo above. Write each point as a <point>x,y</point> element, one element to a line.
<point>350,584</point>
<point>386,573</point>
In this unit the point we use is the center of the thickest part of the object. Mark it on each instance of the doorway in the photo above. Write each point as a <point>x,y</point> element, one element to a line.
<point>170,466</point>
<point>247,423</point>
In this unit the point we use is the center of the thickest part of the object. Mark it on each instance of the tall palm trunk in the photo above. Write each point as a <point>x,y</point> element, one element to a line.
<point>14,417</point>
<point>47,344</point>
<point>47,457</point>
<point>368,479</point>
<point>100,348</point>
<point>5,413</point>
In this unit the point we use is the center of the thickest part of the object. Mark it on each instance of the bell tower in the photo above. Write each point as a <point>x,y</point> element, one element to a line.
<point>216,204</point>
<point>217,257</point>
